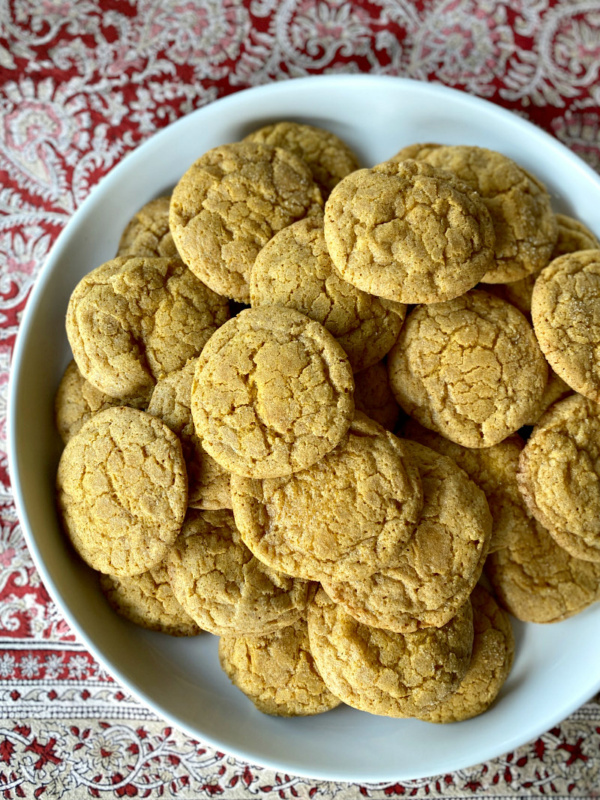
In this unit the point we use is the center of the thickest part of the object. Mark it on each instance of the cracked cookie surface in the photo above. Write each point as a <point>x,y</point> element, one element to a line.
<point>390,674</point>
<point>327,156</point>
<point>122,491</point>
<point>228,205</point>
<point>272,393</point>
<point>348,515</point>
<point>295,270</point>
<point>441,563</point>
<point>277,672</point>
<point>493,655</point>
<point>223,587</point>
<point>133,320</point>
<point>559,475</point>
<point>408,232</point>
<point>470,369</point>
<point>566,316</point>
<point>374,397</point>
<point>148,233</point>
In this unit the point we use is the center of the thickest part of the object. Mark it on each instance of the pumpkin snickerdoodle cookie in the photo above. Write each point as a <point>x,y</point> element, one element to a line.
<point>408,232</point>
<point>349,515</point>
<point>272,393</point>
<point>470,369</point>
<point>228,205</point>
<point>295,270</point>
<point>277,672</point>
<point>438,568</point>
<point>391,674</point>
<point>122,491</point>
<point>148,233</point>
<point>374,397</point>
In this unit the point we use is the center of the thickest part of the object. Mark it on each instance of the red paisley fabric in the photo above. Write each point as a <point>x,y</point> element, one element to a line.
<point>82,84</point>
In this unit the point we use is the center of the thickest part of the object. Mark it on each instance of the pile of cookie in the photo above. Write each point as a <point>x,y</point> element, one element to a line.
<point>249,472</point>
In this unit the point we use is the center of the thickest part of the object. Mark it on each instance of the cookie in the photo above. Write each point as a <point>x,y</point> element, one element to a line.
<point>228,205</point>
<point>208,483</point>
<point>493,469</point>
<point>524,224</point>
<point>148,600</point>
<point>122,491</point>
<point>556,389</point>
<point>408,232</point>
<point>442,562</point>
<point>493,655</point>
<point>277,672</point>
<point>349,515</point>
<point>327,156</point>
<point>414,151</point>
<point>223,587</point>
<point>385,673</point>
<point>295,270</point>
<point>470,369</point>
<point>573,235</point>
<point>374,397</point>
<point>147,233</point>
<point>131,321</point>
<point>272,393</point>
<point>538,581</point>
<point>566,318</point>
<point>559,475</point>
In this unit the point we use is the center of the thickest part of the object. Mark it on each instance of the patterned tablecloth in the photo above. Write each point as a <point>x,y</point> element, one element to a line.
<point>82,84</point>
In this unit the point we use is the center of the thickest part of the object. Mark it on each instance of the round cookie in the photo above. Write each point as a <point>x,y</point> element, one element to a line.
<point>295,270</point>
<point>538,581</point>
<point>228,205</point>
<point>147,233</point>
<point>517,293</point>
<point>277,672</point>
<point>556,389</point>
<point>171,400</point>
<point>414,151</point>
<point>374,397</point>
<point>386,673</point>
<point>442,562</point>
<point>349,515</point>
<point>272,393</point>
<point>408,232</point>
<point>566,317</point>
<point>327,156</point>
<point>148,600</point>
<point>493,469</point>
<point>493,655</point>
<point>223,587</point>
<point>524,224</point>
<point>133,320</point>
<point>470,369</point>
<point>572,236</point>
<point>122,491</point>
<point>559,475</point>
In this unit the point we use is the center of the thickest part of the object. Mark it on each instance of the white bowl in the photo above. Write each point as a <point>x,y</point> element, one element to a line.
<point>556,667</point>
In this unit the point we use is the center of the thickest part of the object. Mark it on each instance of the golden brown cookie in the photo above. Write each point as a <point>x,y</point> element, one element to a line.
<point>374,397</point>
<point>556,389</point>
<point>131,321</point>
<point>442,562</point>
<point>493,469</point>
<point>328,157</point>
<point>228,205</point>
<point>408,232</point>
<point>122,491</point>
<point>272,393</point>
<point>572,236</point>
<point>349,515</point>
<point>414,151</point>
<point>565,310</point>
<point>148,600</point>
<point>295,270</point>
<point>517,293</point>
<point>493,655</point>
<point>277,672</point>
<point>391,674</point>
<point>518,203</point>
<point>538,581</point>
<point>208,482</point>
<point>559,475</point>
<point>470,369</point>
<point>223,587</point>
<point>147,233</point>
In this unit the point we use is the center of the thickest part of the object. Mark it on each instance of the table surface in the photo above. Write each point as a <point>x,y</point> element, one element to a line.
<point>83,83</point>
